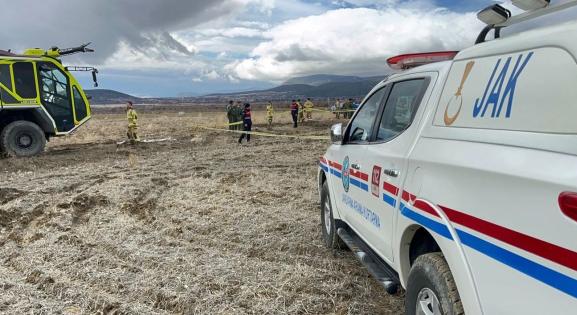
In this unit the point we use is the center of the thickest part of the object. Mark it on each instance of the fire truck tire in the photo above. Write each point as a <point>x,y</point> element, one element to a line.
<point>330,236</point>
<point>22,138</point>
<point>431,288</point>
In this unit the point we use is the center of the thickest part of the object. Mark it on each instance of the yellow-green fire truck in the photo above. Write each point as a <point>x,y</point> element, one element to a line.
<point>39,99</point>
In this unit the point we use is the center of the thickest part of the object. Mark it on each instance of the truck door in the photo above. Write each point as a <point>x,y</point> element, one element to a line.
<point>386,155</point>
<point>349,180</point>
<point>55,95</point>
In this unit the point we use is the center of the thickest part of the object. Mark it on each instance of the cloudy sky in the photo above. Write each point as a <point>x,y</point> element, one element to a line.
<point>176,47</point>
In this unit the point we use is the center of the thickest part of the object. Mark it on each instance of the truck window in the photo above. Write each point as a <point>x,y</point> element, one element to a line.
<point>400,108</point>
<point>24,79</point>
<point>79,105</point>
<point>55,95</point>
<point>5,77</point>
<point>362,125</point>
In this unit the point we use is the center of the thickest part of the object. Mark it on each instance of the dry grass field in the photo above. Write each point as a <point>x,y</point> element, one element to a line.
<point>194,225</point>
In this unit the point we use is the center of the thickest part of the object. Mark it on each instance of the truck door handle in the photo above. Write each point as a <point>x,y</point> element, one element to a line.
<point>392,173</point>
<point>356,166</point>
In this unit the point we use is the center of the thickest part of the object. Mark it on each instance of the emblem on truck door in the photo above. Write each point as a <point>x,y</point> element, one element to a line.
<point>346,174</point>
<point>376,181</point>
<point>457,99</point>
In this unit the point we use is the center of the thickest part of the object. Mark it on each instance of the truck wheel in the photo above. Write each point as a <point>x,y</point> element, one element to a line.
<point>22,138</point>
<point>330,236</point>
<point>431,289</point>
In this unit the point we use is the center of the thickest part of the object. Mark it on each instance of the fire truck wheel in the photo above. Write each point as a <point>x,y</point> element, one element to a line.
<point>431,289</point>
<point>22,138</point>
<point>330,236</point>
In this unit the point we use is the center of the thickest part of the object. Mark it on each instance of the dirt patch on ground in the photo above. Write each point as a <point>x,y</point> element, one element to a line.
<point>194,225</point>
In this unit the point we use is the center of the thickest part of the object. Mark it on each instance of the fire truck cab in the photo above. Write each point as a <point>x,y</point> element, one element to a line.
<point>39,99</point>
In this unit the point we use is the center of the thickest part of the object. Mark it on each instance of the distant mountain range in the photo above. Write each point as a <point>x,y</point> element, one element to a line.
<point>318,86</point>
<point>320,79</point>
<point>103,96</point>
<point>315,86</point>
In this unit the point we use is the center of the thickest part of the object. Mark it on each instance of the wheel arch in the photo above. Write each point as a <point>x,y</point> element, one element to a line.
<point>417,240</point>
<point>34,115</point>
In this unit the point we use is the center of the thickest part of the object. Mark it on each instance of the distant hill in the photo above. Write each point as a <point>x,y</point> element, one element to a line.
<point>320,79</point>
<point>103,96</point>
<point>359,87</point>
<point>315,86</point>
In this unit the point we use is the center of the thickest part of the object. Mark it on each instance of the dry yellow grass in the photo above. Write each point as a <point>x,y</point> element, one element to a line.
<point>179,227</point>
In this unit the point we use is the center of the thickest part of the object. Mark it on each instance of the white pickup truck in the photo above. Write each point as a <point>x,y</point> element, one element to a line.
<point>457,179</point>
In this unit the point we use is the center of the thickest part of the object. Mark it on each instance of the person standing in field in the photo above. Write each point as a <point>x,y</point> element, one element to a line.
<point>238,116</point>
<point>269,114</point>
<point>309,109</point>
<point>132,118</point>
<point>229,115</point>
<point>247,123</point>
<point>301,112</point>
<point>339,108</point>
<point>347,108</point>
<point>335,107</point>
<point>294,113</point>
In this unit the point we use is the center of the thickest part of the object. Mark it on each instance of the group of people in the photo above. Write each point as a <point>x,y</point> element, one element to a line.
<point>344,107</point>
<point>300,111</point>
<point>240,116</point>
<point>234,113</point>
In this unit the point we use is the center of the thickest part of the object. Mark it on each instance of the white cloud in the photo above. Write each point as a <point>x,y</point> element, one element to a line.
<point>231,32</point>
<point>349,39</point>
<point>154,58</point>
<point>364,3</point>
<point>212,75</point>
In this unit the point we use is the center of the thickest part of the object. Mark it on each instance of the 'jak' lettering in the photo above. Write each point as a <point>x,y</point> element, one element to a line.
<point>495,95</point>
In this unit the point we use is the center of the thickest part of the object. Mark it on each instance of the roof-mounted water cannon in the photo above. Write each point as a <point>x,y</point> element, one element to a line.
<point>407,61</point>
<point>56,52</point>
<point>74,50</point>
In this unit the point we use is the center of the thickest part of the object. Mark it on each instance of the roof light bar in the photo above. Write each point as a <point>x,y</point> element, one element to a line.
<point>494,14</point>
<point>530,5</point>
<point>403,62</point>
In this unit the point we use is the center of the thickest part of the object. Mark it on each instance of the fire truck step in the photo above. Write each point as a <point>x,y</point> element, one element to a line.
<point>382,272</point>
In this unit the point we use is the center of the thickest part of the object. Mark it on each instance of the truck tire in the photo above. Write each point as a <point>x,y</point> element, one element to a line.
<point>22,138</point>
<point>330,236</point>
<point>431,288</point>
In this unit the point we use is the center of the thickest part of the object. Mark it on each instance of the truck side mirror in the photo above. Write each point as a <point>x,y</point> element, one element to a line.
<point>337,133</point>
<point>94,72</point>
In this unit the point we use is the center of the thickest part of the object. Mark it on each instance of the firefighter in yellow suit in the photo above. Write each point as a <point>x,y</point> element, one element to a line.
<point>132,118</point>
<point>269,114</point>
<point>309,109</point>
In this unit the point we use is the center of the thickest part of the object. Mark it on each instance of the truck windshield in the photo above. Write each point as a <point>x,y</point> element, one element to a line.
<point>55,95</point>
